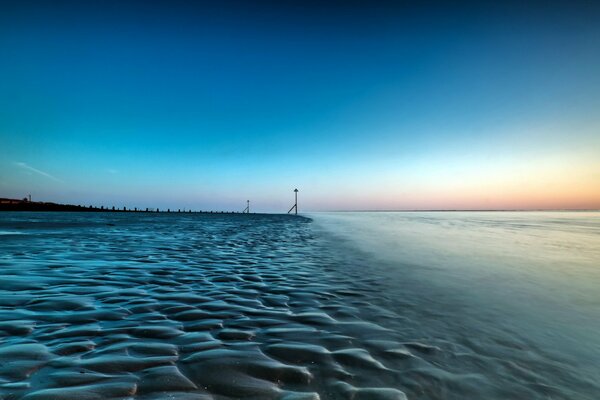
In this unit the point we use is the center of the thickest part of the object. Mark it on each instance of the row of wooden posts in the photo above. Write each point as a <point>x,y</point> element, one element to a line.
<point>245,211</point>
<point>157,210</point>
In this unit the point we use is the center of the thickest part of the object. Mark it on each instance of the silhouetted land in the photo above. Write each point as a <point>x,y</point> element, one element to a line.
<point>26,205</point>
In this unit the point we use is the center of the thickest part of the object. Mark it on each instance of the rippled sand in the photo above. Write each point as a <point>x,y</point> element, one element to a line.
<point>109,306</point>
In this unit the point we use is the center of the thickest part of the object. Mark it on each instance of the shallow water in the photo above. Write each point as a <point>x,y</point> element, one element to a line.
<point>350,305</point>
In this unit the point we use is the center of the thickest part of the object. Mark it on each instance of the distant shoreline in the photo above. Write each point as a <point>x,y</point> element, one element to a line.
<point>26,205</point>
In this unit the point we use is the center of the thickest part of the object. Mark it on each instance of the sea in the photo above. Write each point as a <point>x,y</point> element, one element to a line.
<point>344,305</point>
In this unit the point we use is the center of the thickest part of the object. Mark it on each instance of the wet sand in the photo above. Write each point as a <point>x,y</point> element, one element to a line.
<point>109,306</point>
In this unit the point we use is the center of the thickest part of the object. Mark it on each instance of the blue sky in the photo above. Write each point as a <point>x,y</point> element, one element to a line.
<point>361,106</point>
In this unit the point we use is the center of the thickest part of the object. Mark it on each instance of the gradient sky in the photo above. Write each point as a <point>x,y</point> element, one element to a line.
<point>376,105</point>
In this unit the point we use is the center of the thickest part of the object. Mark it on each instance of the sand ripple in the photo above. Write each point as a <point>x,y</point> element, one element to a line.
<point>190,307</point>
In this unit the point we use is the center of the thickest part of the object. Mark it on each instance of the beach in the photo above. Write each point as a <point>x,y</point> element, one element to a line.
<point>327,306</point>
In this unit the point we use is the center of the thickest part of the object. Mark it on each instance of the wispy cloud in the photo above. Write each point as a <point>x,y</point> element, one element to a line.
<point>112,171</point>
<point>27,167</point>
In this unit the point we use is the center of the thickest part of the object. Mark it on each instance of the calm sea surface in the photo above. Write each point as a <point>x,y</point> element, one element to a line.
<point>479,305</point>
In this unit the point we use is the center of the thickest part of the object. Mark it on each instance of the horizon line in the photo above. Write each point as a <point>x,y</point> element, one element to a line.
<point>470,210</point>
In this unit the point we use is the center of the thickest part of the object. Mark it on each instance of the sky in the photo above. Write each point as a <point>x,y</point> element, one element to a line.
<point>360,105</point>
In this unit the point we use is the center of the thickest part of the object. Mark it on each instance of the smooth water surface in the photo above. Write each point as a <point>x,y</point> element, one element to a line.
<point>344,306</point>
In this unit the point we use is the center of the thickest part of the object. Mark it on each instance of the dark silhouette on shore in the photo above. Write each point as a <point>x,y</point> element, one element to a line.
<point>27,205</point>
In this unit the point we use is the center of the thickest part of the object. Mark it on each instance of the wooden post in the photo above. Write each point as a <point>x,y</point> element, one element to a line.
<point>296,198</point>
<point>295,206</point>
